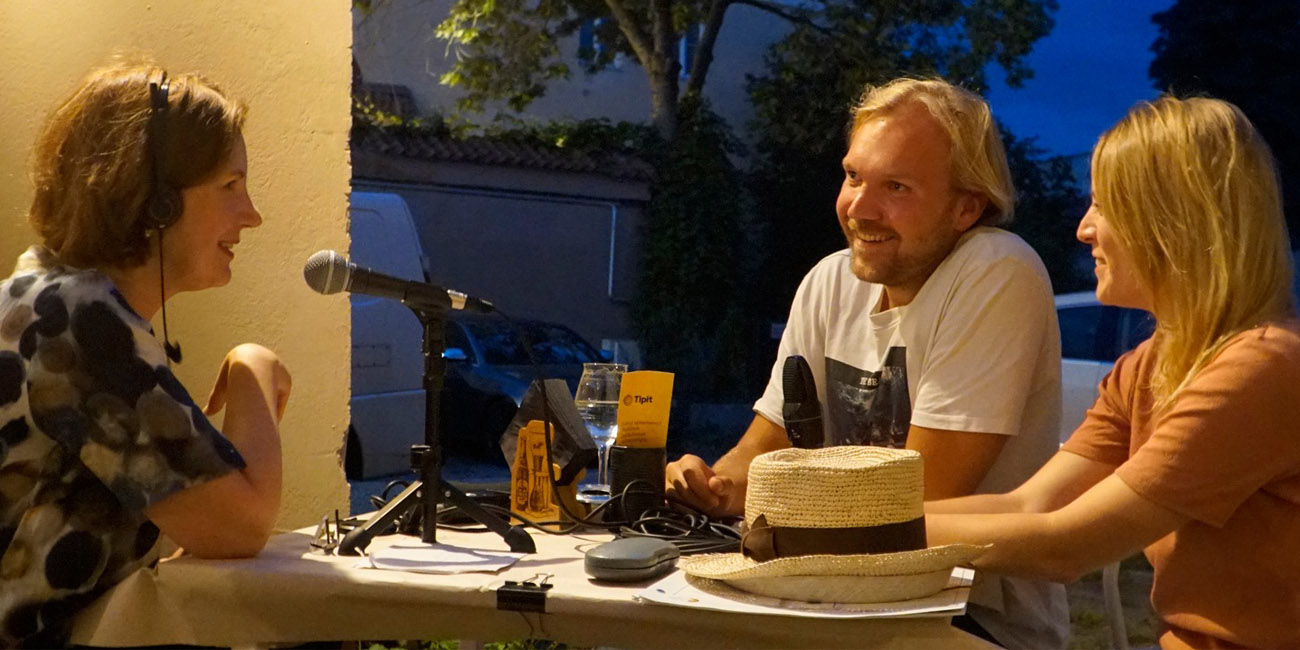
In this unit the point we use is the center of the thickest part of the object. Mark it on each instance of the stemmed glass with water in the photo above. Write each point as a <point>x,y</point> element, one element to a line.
<point>597,402</point>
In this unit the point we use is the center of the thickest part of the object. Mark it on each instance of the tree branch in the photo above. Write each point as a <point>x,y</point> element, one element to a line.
<point>664,69</point>
<point>636,37</point>
<point>704,49</point>
<point>665,39</point>
<point>781,12</point>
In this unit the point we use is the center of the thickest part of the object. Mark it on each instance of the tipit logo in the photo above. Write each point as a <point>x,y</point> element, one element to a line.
<point>639,399</point>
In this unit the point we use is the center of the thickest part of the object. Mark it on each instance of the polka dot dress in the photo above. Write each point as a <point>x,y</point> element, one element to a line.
<point>93,428</point>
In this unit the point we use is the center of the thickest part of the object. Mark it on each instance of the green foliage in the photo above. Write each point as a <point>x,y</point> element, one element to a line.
<point>366,112</point>
<point>507,49</point>
<point>592,136</point>
<point>1048,208</point>
<point>814,73</point>
<point>1244,52</point>
<point>700,252</point>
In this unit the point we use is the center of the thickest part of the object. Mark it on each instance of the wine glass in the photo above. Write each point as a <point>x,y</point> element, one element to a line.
<point>597,402</point>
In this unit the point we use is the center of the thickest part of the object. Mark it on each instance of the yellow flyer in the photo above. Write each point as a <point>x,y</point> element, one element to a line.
<point>644,399</point>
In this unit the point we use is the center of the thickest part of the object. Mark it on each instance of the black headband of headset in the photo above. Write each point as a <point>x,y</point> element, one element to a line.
<point>157,129</point>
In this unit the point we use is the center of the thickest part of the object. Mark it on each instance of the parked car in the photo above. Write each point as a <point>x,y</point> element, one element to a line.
<point>1093,336</point>
<point>488,371</point>
<point>487,367</point>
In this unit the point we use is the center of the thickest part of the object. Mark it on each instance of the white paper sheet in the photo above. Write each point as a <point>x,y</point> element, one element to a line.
<point>679,590</point>
<point>438,558</point>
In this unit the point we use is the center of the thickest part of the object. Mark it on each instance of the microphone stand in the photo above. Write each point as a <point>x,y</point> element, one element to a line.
<point>426,460</point>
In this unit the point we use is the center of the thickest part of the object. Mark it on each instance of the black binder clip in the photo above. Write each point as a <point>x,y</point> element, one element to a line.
<point>525,595</point>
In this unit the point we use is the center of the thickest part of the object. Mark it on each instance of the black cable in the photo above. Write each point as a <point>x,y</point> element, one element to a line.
<point>689,529</point>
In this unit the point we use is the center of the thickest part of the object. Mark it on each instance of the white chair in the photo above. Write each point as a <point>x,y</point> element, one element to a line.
<point>1114,608</point>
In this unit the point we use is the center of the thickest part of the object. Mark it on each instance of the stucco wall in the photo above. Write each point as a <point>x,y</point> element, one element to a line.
<point>289,60</point>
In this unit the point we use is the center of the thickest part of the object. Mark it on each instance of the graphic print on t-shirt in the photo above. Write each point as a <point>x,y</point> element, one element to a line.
<point>869,408</point>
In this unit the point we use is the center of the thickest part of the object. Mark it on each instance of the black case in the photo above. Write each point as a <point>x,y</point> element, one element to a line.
<point>571,445</point>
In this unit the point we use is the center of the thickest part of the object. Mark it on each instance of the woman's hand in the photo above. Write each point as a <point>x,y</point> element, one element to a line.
<point>233,516</point>
<point>263,364</point>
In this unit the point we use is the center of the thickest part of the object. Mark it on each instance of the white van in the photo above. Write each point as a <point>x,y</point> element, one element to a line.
<point>387,368</point>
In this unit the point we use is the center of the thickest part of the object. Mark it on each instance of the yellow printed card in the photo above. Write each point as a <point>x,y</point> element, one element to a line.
<point>644,399</point>
<point>530,490</point>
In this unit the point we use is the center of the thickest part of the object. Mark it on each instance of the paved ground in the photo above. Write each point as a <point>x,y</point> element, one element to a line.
<point>1088,627</point>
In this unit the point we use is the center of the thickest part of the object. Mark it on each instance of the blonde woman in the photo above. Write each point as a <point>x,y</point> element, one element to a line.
<point>1192,451</point>
<point>140,193</point>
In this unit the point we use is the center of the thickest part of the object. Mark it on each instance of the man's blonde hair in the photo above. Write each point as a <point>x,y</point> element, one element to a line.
<point>1191,190</point>
<point>92,165</point>
<point>978,160</point>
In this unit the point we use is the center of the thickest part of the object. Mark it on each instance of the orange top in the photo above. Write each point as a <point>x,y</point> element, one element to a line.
<point>1226,454</point>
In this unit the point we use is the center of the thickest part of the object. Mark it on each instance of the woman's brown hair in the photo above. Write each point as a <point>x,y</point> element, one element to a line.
<point>93,165</point>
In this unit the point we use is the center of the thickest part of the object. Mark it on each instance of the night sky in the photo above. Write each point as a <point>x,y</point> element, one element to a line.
<point>1087,72</point>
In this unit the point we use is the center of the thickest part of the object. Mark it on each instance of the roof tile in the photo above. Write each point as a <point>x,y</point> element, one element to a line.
<point>495,151</point>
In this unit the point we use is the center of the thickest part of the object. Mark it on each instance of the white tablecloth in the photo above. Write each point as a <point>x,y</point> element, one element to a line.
<point>289,593</point>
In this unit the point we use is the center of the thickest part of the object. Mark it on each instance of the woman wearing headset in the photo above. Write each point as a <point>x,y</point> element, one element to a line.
<point>140,194</point>
<point>1192,451</point>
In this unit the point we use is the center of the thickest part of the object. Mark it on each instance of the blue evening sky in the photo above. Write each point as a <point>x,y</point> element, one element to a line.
<point>1087,72</point>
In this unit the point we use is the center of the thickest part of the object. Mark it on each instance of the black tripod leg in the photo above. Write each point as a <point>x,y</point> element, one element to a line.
<point>516,537</point>
<point>358,538</point>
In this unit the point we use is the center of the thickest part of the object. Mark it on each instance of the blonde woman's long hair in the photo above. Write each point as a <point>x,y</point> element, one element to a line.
<point>979,162</point>
<point>1191,189</point>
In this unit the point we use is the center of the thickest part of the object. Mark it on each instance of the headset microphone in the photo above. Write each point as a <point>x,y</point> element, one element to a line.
<point>802,411</point>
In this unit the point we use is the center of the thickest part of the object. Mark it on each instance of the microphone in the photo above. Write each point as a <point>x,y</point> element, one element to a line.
<point>329,272</point>
<point>802,411</point>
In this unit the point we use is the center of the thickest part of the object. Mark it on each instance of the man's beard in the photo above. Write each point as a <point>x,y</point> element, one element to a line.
<point>899,268</point>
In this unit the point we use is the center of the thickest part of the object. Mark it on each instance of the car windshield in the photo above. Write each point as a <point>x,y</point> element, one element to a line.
<point>553,344</point>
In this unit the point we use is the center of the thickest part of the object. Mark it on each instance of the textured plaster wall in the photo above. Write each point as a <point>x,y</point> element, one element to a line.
<point>290,61</point>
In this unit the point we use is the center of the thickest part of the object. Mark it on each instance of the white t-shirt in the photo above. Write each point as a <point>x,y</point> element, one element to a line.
<point>977,350</point>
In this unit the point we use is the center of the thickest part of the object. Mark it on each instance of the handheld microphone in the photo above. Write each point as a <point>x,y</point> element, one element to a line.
<point>329,272</point>
<point>802,411</point>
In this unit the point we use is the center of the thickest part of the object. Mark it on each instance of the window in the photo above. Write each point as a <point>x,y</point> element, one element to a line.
<point>1086,331</point>
<point>1101,333</point>
<point>1136,326</point>
<point>686,48</point>
<point>552,344</point>
<point>456,339</point>
<point>589,46</point>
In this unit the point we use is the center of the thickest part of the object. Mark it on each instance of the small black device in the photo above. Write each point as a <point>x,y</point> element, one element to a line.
<point>329,272</point>
<point>631,559</point>
<point>571,445</point>
<point>636,479</point>
<point>802,410</point>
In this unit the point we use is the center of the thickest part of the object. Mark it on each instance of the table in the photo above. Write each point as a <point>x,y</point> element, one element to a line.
<point>289,593</point>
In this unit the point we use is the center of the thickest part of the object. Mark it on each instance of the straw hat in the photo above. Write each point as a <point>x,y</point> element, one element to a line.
<point>840,524</point>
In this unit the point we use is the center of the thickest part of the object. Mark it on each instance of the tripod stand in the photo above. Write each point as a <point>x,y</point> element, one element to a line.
<point>426,459</point>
